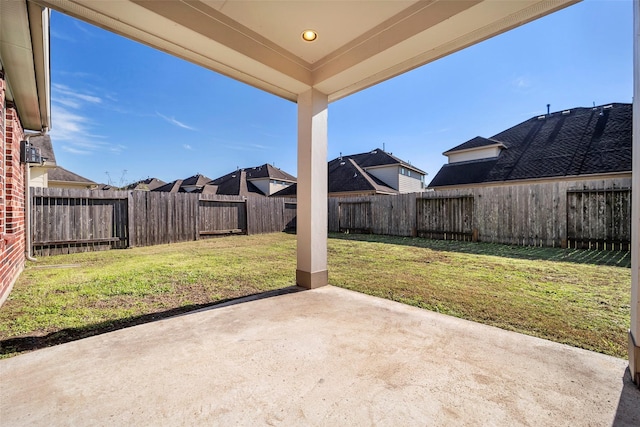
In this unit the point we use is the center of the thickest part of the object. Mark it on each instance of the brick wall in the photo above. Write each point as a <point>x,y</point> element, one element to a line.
<point>12,196</point>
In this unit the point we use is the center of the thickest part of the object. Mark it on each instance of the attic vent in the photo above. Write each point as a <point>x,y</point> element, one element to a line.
<point>541,117</point>
<point>565,112</point>
<point>606,107</point>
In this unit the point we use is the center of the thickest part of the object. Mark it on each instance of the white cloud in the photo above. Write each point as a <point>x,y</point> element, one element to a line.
<point>59,89</point>
<point>74,131</point>
<point>62,36</point>
<point>175,122</point>
<point>187,147</point>
<point>75,150</point>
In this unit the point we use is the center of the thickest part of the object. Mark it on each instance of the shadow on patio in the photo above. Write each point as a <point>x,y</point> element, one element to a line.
<point>323,357</point>
<point>37,342</point>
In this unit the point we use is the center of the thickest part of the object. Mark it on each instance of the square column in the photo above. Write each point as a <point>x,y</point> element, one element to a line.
<point>312,190</point>
<point>634,331</point>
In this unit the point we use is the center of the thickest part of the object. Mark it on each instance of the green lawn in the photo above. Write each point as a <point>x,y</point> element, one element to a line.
<point>576,297</point>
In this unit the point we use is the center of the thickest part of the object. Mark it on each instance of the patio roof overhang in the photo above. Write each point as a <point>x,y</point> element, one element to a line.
<point>359,43</point>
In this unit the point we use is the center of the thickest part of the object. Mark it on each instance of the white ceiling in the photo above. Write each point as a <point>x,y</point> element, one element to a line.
<point>360,43</point>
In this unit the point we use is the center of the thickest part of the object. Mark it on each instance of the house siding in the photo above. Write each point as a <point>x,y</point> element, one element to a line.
<point>410,184</point>
<point>12,196</point>
<point>38,177</point>
<point>484,153</point>
<point>389,175</point>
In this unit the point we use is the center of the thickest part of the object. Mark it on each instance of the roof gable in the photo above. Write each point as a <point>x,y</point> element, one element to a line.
<point>477,142</point>
<point>378,157</point>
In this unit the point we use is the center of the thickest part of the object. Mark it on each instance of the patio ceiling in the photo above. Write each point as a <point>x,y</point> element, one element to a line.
<point>359,43</point>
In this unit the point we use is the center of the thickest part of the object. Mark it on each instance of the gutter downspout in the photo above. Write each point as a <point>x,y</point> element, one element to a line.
<point>27,201</point>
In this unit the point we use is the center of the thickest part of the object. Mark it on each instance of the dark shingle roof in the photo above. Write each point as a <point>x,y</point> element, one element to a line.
<point>198,180</point>
<point>61,174</point>
<point>345,176</point>
<point>268,171</point>
<point>379,157</point>
<point>476,142</point>
<point>235,184</point>
<point>43,143</point>
<point>581,141</point>
<point>149,184</point>
<point>172,187</point>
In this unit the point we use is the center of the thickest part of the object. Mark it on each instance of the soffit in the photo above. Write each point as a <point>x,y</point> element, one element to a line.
<point>24,53</point>
<point>360,43</point>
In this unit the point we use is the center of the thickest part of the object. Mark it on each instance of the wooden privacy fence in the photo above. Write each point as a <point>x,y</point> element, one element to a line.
<point>578,214</point>
<point>446,218</point>
<point>599,219</point>
<point>80,219</point>
<point>559,214</point>
<point>69,220</point>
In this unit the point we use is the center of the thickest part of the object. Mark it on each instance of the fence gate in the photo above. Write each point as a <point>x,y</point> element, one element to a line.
<point>355,217</point>
<point>599,219</point>
<point>446,218</point>
<point>222,217</point>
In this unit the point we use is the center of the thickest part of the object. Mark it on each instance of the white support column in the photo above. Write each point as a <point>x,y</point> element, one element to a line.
<point>312,190</point>
<point>634,332</point>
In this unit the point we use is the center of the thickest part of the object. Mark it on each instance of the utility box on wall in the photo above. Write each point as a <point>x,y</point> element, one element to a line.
<point>29,153</point>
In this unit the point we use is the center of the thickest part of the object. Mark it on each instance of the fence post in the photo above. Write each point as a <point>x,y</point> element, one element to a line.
<point>131,229</point>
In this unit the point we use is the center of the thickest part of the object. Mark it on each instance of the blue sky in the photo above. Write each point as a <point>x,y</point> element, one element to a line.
<point>126,109</point>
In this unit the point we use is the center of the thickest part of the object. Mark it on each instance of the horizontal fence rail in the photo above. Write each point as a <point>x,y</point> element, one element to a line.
<point>586,214</point>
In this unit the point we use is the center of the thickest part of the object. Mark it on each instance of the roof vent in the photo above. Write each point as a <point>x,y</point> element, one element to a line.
<point>565,112</point>
<point>542,117</point>
<point>342,163</point>
<point>374,152</point>
<point>607,107</point>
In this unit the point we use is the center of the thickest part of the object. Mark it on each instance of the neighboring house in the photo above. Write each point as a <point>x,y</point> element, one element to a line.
<point>256,181</point>
<point>374,172</point>
<point>59,177</point>
<point>38,174</point>
<point>571,145</point>
<point>48,174</point>
<point>148,184</point>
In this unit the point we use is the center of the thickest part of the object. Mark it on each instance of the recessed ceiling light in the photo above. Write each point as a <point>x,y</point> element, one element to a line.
<point>309,35</point>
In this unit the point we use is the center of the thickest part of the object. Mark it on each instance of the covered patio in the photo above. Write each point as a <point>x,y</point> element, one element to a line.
<point>324,356</point>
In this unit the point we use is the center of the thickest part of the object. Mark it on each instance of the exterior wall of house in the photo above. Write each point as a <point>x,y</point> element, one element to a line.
<point>38,177</point>
<point>12,196</point>
<point>388,174</point>
<point>482,153</point>
<point>410,183</point>
<point>269,186</point>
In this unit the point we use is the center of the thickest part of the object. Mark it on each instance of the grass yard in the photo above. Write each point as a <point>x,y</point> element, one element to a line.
<point>576,297</point>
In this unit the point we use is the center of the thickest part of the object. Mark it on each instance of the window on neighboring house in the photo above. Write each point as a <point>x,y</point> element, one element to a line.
<point>402,171</point>
<point>408,172</point>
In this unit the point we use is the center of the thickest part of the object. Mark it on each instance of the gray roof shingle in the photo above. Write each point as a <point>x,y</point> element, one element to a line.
<point>580,141</point>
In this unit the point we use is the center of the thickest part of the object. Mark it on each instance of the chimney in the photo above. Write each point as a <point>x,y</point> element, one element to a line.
<point>548,108</point>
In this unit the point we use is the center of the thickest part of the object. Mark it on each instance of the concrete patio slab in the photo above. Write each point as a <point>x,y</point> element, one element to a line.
<point>322,357</point>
